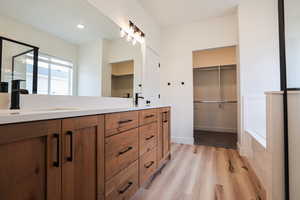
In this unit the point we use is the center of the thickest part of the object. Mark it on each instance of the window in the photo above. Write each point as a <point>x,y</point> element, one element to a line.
<point>54,75</point>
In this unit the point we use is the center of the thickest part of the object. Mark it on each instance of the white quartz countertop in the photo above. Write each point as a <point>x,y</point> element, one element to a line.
<point>18,116</point>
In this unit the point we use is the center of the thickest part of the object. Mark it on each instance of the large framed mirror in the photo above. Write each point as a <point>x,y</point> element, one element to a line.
<point>80,50</point>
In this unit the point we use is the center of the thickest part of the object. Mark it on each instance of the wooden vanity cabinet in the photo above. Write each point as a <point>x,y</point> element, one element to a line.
<point>83,158</point>
<point>30,164</point>
<point>92,157</point>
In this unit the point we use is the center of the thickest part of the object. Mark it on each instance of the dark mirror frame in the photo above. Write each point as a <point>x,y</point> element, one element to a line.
<point>35,61</point>
<point>285,89</point>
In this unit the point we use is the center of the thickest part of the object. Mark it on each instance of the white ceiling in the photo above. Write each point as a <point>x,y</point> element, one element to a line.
<point>60,18</point>
<point>171,12</point>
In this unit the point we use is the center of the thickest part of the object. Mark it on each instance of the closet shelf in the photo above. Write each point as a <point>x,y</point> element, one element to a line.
<point>216,101</point>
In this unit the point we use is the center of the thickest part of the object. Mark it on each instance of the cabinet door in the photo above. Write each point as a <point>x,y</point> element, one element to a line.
<point>30,164</point>
<point>160,137</point>
<point>166,132</point>
<point>83,158</point>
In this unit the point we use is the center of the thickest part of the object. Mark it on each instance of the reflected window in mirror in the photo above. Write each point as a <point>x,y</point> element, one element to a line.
<point>55,75</point>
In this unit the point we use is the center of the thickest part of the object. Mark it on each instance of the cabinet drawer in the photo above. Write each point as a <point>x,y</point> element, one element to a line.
<point>147,165</point>
<point>124,185</point>
<point>120,151</point>
<point>148,116</point>
<point>148,137</point>
<point>118,122</point>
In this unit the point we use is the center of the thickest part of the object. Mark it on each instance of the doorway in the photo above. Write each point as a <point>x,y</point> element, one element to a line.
<point>215,97</point>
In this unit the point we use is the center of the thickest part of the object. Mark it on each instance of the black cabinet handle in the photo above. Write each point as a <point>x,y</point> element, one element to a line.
<point>165,121</point>
<point>165,117</point>
<point>149,116</point>
<point>126,150</point>
<point>149,138</point>
<point>148,166</point>
<point>126,188</point>
<point>56,163</point>
<point>70,158</point>
<point>125,121</point>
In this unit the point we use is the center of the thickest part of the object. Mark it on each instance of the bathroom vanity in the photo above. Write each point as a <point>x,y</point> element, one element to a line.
<point>109,155</point>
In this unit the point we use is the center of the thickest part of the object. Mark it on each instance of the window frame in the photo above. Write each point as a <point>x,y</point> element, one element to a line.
<point>48,59</point>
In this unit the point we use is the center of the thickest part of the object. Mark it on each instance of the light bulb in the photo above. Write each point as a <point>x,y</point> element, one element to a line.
<point>80,26</point>
<point>122,33</point>
<point>131,29</point>
<point>133,41</point>
<point>128,38</point>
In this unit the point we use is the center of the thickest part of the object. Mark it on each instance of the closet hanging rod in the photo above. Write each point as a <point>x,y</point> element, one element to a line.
<point>222,67</point>
<point>216,101</point>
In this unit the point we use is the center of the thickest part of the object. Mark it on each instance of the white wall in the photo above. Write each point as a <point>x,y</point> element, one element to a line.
<point>90,69</point>
<point>259,61</point>
<point>178,43</point>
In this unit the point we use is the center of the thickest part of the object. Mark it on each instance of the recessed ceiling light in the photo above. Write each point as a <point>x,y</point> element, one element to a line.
<point>80,26</point>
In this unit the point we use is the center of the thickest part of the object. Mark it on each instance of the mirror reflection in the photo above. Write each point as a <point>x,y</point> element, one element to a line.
<point>80,51</point>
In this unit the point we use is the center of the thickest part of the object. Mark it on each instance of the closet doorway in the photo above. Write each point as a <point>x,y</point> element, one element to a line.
<point>215,97</point>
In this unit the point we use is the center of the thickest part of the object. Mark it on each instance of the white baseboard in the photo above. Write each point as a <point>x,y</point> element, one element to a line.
<point>216,129</point>
<point>183,140</point>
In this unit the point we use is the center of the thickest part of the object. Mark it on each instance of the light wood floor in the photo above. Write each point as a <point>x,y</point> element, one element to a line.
<point>203,173</point>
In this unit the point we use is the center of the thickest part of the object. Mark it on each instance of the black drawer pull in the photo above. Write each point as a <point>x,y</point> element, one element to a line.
<point>125,121</point>
<point>165,121</point>
<point>148,166</point>
<point>149,138</point>
<point>70,158</point>
<point>126,150</point>
<point>56,163</point>
<point>126,188</point>
<point>149,116</point>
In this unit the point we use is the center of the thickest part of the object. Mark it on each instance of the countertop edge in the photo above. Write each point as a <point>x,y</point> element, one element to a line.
<point>56,115</point>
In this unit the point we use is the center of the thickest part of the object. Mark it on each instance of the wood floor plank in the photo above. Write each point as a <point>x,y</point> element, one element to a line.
<point>202,173</point>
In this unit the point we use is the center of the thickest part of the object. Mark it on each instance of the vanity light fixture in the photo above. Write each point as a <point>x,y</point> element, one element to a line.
<point>142,37</point>
<point>133,34</point>
<point>131,28</point>
<point>80,26</point>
